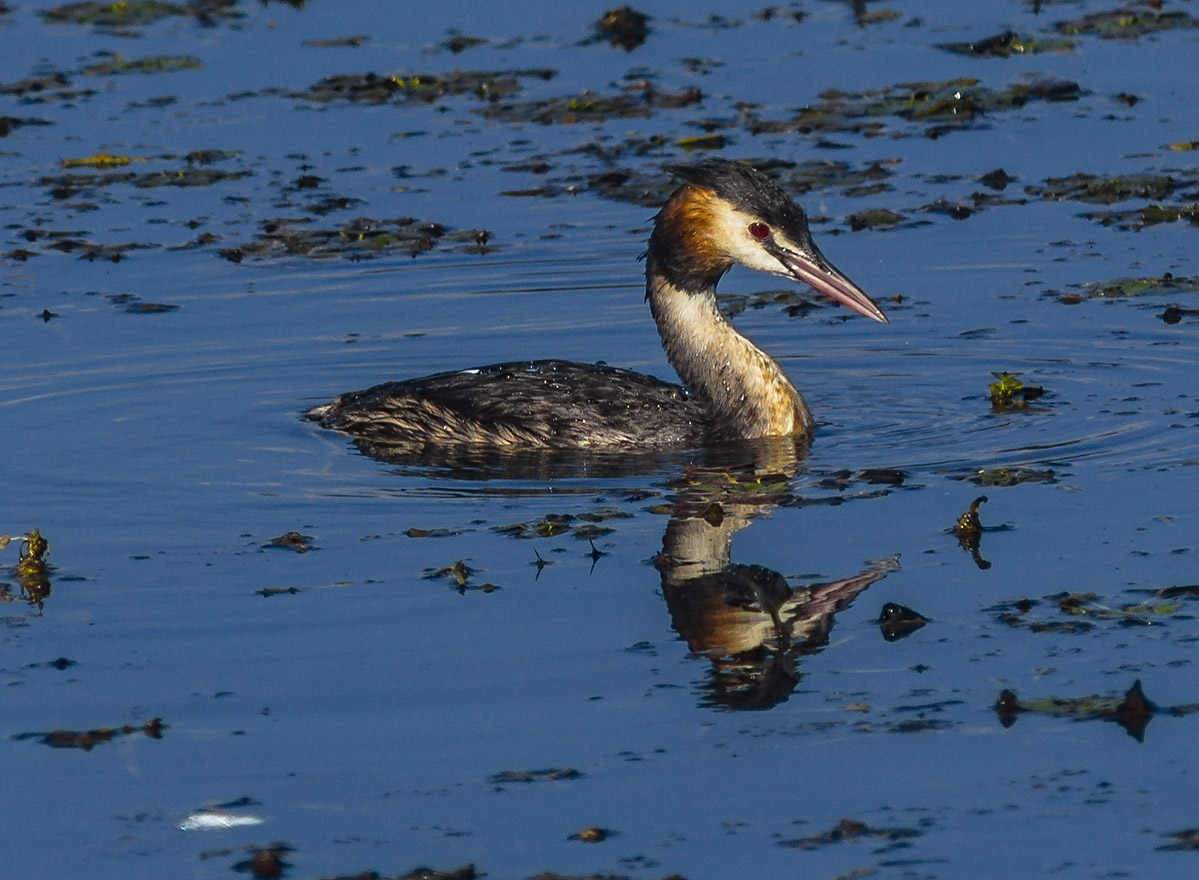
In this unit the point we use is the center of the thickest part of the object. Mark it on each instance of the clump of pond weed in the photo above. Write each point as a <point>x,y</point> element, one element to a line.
<point>421,88</point>
<point>292,540</point>
<point>1008,43</point>
<point>1008,476</point>
<point>941,106</point>
<point>1008,392</point>
<point>622,27</point>
<point>852,829</point>
<point>357,239</point>
<point>584,526</point>
<point>1150,215</point>
<point>1092,188</point>
<point>117,64</point>
<point>86,740</point>
<point>1126,23</point>
<point>1166,284</point>
<point>135,305</point>
<point>460,576</point>
<point>1132,710</point>
<point>125,14</point>
<point>636,100</point>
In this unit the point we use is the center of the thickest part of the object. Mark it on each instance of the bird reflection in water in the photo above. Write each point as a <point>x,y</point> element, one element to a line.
<point>746,620</point>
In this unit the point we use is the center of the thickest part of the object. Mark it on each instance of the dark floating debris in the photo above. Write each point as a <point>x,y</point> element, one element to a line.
<point>351,42</point>
<point>1133,710</point>
<point>549,526</point>
<point>459,43</point>
<point>68,184</point>
<point>1095,189</point>
<point>553,774</point>
<point>1126,23</point>
<point>592,834</point>
<point>86,740</point>
<point>431,533</point>
<point>623,27</point>
<point>267,592</point>
<point>69,242</point>
<point>126,14</point>
<point>135,305</point>
<point>45,88</point>
<point>9,124</point>
<point>357,239</point>
<point>265,863</point>
<point>1175,314</point>
<point>116,64</point>
<point>1150,215</point>
<point>554,524</point>
<point>852,829</point>
<point>1186,839</point>
<point>997,179</point>
<point>58,663</point>
<point>291,541</point>
<point>942,106</point>
<point>422,88</point>
<point>1129,288</point>
<point>1082,609</point>
<point>459,575</point>
<point>1008,393</point>
<point>637,100</point>
<point>956,210</point>
<point>1008,43</point>
<point>899,621</point>
<point>882,476</point>
<point>875,218</point>
<point>1009,476</point>
<point>968,530</point>
<point>703,142</point>
<point>1185,590</point>
<point>466,872</point>
<point>843,479</point>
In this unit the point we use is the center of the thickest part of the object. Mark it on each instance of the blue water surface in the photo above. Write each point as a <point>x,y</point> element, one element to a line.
<point>366,709</point>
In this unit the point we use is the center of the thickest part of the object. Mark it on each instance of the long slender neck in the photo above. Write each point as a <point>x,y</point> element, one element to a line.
<point>745,391</point>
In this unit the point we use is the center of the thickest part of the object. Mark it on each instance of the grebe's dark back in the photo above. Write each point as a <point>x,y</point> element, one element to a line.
<point>724,213</point>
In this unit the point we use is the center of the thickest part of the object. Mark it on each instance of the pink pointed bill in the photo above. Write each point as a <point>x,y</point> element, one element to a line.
<point>822,276</point>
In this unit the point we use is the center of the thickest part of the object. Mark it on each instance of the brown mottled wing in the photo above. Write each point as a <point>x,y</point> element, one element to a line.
<point>524,404</point>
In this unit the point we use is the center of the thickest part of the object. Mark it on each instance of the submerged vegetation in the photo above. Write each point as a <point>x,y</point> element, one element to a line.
<point>421,88</point>
<point>359,238</point>
<point>1128,22</point>
<point>124,14</point>
<point>149,64</point>
<point>1165,285</point>
<point>1008,43</point>
<point>938,106</point>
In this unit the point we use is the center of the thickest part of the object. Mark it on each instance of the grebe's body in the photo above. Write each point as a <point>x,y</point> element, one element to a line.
<point>724,213</point>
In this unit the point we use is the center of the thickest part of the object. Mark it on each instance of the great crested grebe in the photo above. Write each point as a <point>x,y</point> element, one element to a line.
<point>724,213</point>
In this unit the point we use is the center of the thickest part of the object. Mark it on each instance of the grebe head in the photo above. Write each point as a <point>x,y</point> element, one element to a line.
<point>726,213</point>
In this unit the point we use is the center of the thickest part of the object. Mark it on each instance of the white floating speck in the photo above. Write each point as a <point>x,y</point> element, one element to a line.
<point>217,820</point>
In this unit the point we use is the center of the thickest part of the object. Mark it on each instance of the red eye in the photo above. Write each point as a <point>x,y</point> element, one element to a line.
<point>760,231</point>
